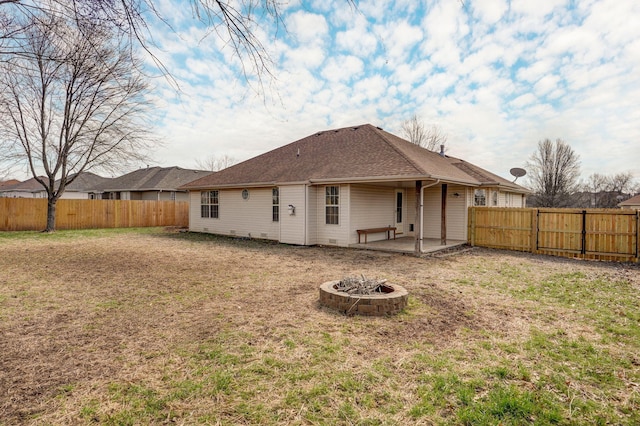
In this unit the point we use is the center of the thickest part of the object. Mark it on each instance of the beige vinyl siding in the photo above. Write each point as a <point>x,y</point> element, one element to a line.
<point>312,215</point>
<point>456,214</point>
<point>151,196</point>
<point>431,212</point>
<point>238,217</point>
<point>182,196</point>
<point>334,235</point>
<point>72,195</point>
<point>410,212</point>
<point>371,207</point>
<point>292,226</point>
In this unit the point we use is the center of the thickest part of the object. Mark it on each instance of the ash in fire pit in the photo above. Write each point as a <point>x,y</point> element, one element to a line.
<point>362,285</point>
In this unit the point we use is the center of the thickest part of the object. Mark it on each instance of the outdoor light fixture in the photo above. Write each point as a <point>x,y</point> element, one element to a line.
<point>456,194</point>
<point>292,210</point>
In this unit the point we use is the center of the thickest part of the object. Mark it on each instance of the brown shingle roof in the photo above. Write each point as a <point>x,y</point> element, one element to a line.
<point>30,185</point>
<point>153,179</point>
<point>85,182</point>
<point>352,153</point>
<point>8,183</point>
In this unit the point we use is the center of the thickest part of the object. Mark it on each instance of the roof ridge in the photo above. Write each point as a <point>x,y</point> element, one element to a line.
<point>399,151</point>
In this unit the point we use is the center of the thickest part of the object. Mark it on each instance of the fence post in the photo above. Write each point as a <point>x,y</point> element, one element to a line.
<point>637,235</point>
<point>583,247</point>
<point>534,230</point>
<point>472,227</point>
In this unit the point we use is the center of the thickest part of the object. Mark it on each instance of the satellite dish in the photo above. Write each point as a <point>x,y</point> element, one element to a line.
<point>517,172</point>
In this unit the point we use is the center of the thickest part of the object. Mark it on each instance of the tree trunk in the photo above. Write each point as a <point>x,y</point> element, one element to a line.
<point>51,214</point>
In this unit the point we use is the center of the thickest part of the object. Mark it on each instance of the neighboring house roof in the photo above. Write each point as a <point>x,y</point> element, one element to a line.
<point>153,179</point>
<point>633,201</point>
<point>8,183</point>
<point>30,185</point>
<point>85,182</point>
<point>357,153</point>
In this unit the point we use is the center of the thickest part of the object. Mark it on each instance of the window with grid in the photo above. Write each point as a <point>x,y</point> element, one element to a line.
<point>332,201</point>
<point>275,209</point>
<point>209,206</point>
<point>480,197</point>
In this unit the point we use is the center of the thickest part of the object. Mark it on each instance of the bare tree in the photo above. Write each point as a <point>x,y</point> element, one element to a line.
<point>414,130</point>
<point>215,163</point>
<point>607,191</point>
<point>594,187</point>
<point>71,101</point>
<point>554,170</point>
<point>237,24</point>
<point>619,188</point>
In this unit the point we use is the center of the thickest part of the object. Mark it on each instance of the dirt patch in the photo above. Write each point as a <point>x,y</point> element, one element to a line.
<point>79,313</point>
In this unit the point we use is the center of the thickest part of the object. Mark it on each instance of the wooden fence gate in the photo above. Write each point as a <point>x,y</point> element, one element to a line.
<point>601,234</point>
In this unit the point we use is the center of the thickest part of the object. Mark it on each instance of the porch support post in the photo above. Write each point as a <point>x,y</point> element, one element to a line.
<point>417,228</point>
<point>443,216</point>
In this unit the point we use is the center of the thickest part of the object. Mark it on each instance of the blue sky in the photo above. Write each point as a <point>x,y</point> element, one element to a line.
<point>496,76</point>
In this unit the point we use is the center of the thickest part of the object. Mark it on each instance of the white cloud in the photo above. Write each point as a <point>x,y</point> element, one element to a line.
<point>535,71</point>
<point>489,11</point>
<point>307,28</point>
<point>369,89</point>
<point>399,37</point>
<point>357,39</point>
<point>307,57</point>
<point>342,68</point>
<point>537,9</point>
<point>523,100</point>
<point>546,84</point>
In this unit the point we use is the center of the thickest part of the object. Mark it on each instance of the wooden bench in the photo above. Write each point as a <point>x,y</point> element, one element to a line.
<point>367,231</point>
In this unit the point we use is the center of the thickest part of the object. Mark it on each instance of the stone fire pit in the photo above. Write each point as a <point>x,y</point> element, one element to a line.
<point>354,296</point>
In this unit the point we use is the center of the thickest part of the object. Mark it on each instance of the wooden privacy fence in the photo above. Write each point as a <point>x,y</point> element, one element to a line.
<point>29,214</point>
<point>600,234</point>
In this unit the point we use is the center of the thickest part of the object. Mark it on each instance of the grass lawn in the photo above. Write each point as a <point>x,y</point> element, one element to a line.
<point>149,326</point>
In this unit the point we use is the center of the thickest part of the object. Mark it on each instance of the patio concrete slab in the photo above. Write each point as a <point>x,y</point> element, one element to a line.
<point>407,245</point>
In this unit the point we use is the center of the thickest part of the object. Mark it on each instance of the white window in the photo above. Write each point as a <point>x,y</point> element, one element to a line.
<point>494,198</point>
<point>480,197</point>
<point>209,206</point>
<point>332,202</point>
<point>275,201</point>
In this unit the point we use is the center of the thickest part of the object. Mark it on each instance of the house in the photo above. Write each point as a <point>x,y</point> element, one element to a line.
<point>30,188</point>
<point>151,183</point>
<point>324,188</point>
<point>631,204</point>
<point>82,188</point>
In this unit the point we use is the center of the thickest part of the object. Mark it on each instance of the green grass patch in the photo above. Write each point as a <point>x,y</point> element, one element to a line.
<point>72,234</point>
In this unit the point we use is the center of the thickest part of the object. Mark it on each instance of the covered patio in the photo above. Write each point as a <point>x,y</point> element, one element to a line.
<point>407,245</point>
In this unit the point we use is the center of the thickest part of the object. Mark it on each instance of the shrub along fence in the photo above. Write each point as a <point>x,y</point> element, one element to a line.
<point>30,214</point>
<point>600,234</point>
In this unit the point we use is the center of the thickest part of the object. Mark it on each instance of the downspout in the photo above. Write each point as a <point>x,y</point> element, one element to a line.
<point>422,209</point>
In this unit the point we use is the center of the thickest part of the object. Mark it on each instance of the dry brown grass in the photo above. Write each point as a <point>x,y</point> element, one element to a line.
<point>84,316</point>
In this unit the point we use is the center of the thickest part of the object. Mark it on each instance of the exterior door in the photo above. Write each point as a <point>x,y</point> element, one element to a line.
<point>399,216</point>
